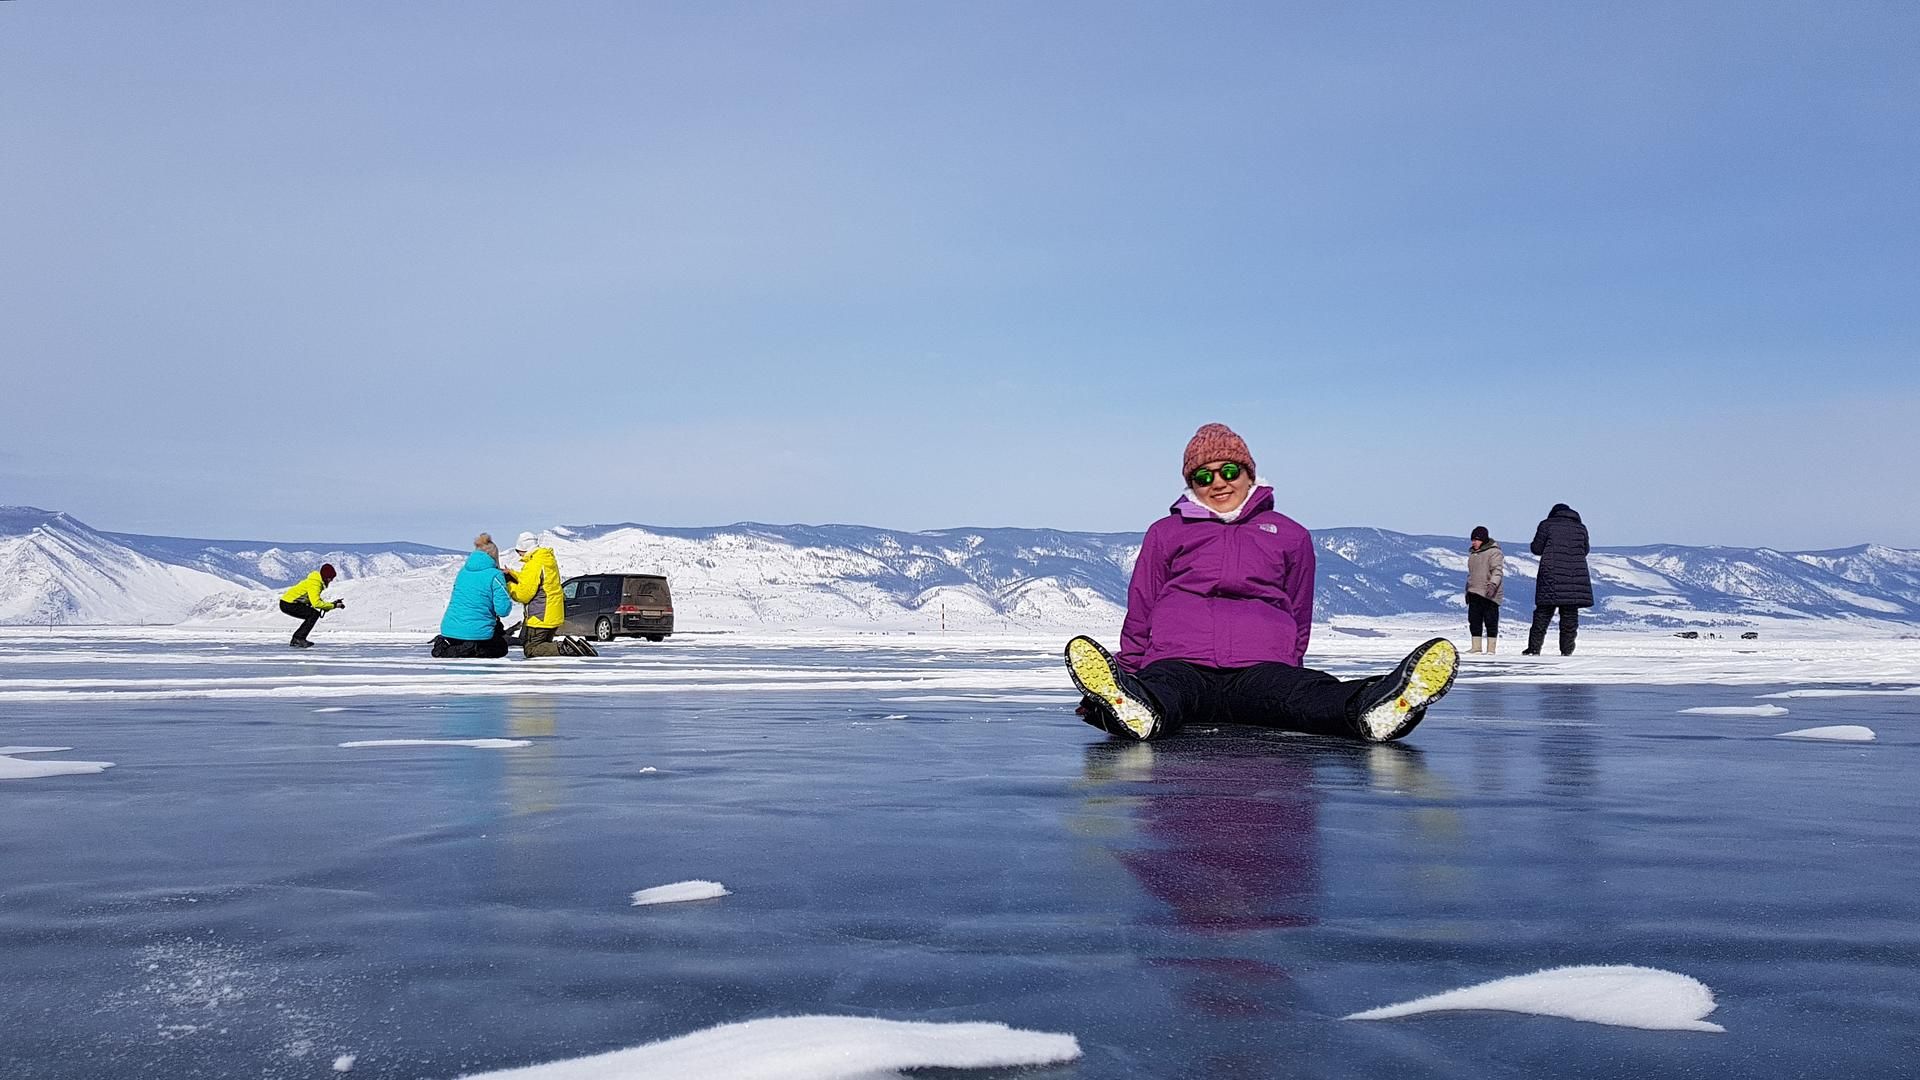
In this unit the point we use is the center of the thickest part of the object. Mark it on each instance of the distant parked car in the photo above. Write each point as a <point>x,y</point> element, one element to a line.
<point>607,606</point>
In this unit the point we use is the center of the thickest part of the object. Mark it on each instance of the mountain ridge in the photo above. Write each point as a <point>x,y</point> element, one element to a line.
<point>54,568</point>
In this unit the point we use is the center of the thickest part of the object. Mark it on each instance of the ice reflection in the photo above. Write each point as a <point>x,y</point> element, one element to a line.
<point>1228,834</point>
<point>1569,749</point>
<point>530,779</point>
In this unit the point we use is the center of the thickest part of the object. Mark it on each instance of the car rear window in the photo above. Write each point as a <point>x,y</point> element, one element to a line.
<point>646,592</point>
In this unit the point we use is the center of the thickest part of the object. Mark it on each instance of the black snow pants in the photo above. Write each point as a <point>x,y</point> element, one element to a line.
<point>1569,626</point>
<point>1482,614</point>
<point>493,648</point>
<point>306,613</point>
<point>1271,695</point>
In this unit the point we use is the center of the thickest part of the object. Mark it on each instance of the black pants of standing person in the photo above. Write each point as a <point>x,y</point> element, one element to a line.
<point>1569,626</point>
<point>306,613</point>
<point>1271,695</point>
<point>1482,615</point>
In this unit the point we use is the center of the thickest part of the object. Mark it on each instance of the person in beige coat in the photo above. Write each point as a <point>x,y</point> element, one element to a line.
<point>1486,569</point>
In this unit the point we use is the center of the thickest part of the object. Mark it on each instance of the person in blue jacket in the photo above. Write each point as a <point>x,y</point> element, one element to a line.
<point>472,627</point>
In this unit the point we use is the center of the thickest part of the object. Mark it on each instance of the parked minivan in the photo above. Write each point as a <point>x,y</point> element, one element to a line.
<point>607,606</point>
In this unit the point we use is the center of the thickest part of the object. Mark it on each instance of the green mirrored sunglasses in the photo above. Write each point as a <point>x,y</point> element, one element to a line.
<point>1229,471</point>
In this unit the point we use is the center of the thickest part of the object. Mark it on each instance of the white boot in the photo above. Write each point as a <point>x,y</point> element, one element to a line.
<point>1491,642</point>
<point>1476,646</point>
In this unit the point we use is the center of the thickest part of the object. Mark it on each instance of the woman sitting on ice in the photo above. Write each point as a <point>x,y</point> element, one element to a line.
<point>1218,616</point>
<point>471,627</point>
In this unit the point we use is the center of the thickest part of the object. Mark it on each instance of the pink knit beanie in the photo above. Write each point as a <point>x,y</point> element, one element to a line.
<point>1215,442</point>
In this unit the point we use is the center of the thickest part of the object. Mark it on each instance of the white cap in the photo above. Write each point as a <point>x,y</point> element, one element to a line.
<point>526,543</point>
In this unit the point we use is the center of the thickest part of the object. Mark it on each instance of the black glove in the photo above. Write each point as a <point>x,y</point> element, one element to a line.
<point>339,605</point>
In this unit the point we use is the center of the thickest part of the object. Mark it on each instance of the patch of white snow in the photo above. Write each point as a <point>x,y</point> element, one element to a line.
<point>1836,733</point>
<point>478,744</point>
<point>12,768</point>
<point>680,891</point>
<point>1621,995</point>
<point>1735,710</point>
<point>813,1048</point>
<point>1906,691</point>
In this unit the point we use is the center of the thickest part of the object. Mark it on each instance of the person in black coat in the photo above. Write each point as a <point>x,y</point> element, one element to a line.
<point>1565,583</point>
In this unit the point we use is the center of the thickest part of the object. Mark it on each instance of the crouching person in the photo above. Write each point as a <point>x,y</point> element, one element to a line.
<point>537,585</point>
<point>1218,615</point>
<point>472,627</point>
<point>305,603</point>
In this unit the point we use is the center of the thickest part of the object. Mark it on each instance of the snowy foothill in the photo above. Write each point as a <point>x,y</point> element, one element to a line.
<point>1620,995</point>
<point>680,892</point>
<point>14,768</point>
<point>1832,733</point>
<point>1734,710</point>
<point>477,744</point>
<point>812,1048</point>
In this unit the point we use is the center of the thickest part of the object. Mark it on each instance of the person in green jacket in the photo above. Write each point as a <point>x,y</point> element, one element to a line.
<point>537,585</point>
<point>305,603</point>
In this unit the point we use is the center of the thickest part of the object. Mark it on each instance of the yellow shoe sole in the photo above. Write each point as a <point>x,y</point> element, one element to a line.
<point>1092,671</point>
<point>1431,677</point>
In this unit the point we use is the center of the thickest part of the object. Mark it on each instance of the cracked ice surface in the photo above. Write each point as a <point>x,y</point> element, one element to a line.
<point>238,896</point>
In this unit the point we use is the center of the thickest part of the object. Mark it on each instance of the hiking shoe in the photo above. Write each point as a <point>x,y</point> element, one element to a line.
<point>1397,701</point>
<point>300,643</point>
<point>1114,698</point>
<point>1529,652</point>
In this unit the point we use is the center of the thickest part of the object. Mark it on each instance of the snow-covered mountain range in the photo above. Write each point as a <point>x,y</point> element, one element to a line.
<point>54,569</point>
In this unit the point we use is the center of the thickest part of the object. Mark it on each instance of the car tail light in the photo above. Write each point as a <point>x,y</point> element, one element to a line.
<point>627,609</point>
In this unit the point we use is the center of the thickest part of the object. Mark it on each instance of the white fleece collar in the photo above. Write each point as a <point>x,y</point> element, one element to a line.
<point>1232,515</point>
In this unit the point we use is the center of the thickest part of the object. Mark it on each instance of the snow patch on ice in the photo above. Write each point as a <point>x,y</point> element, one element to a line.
<point>813,1048</point>
<point>344,1062</point>
<point>895,716</point>
<point>1619,994</point>
<point>1836,733</point>
<point>12,768</point>
<point>1045,699</point>
<point>478,744</point>
<point>332,708</point>
<point>1905,691</point>
<point>1735,710</point>
<point>679,892</point>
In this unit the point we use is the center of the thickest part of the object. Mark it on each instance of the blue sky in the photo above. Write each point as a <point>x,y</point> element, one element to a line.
<point>361,271</point>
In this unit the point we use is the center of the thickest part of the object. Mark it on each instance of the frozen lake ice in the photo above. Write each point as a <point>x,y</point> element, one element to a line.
<point>918,829</point>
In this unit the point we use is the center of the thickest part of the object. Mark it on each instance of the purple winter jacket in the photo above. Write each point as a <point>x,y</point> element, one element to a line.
<point>1223,594</point>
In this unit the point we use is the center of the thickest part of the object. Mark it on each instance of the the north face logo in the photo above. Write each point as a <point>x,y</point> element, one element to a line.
<point>1264,527</point>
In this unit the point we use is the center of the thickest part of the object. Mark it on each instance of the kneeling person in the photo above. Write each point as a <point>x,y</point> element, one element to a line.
<point>1218,616</point>
<point>471,627</point>
<point>537,585</point>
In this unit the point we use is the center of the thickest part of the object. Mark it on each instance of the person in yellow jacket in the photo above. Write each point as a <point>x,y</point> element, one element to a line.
<point>537,585</point>
<point>305,603</point>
